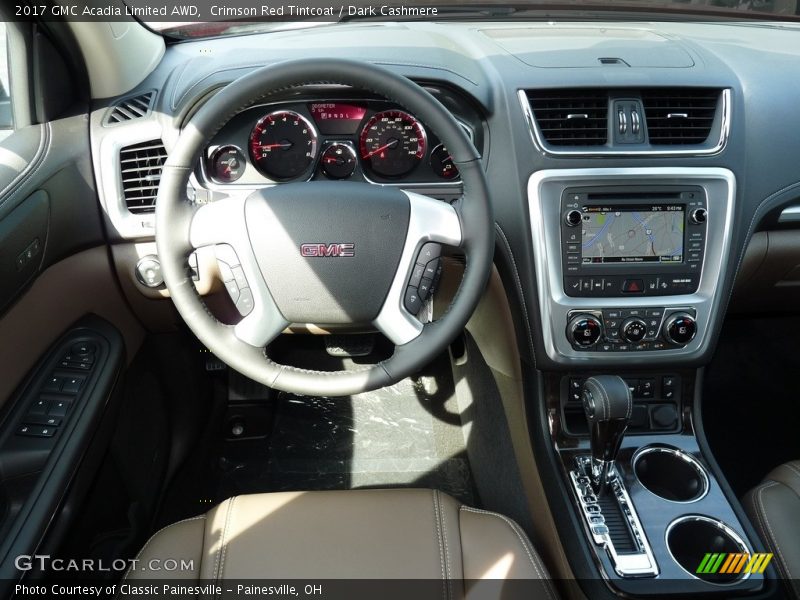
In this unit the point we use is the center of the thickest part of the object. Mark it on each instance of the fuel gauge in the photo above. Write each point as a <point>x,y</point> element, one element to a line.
<point>227,164</point>
<point>442,163</point>
<point>338,161</point>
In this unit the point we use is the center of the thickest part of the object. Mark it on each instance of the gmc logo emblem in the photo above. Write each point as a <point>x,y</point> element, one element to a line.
<point>333,250</point>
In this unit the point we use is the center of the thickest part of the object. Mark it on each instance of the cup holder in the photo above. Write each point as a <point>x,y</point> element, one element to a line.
<point>691,538</point>
<point>670,474</point>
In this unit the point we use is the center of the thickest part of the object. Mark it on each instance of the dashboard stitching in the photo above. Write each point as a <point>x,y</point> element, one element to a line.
<point>32,167</point>
<point>520,290</point>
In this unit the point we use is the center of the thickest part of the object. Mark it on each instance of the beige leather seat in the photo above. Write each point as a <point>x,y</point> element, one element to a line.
<point>774,508</point>
<point>357,534</point>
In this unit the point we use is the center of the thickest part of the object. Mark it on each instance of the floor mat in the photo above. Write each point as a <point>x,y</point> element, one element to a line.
<point>405,435</point>
<point>750,402</point>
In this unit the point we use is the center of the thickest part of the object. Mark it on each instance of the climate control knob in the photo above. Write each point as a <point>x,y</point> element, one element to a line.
<point>633,330</point>
<point>584,330</point>
<point>680,328</point>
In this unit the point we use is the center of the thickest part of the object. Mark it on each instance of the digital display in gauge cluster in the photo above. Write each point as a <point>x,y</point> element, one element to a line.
<point>328,140</point>
<point>337,118</point>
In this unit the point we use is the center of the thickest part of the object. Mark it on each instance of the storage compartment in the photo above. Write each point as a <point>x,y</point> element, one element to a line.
<point>670,474</point>
<point>701,545</point>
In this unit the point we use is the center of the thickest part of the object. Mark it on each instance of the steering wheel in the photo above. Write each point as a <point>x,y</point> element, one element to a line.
<point>324,252</point>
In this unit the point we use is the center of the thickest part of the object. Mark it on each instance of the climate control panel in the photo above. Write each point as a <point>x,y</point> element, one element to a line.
<point>631,329</point>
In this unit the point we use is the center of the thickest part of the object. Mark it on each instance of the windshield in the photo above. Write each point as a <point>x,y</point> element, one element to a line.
<point>209,20</point>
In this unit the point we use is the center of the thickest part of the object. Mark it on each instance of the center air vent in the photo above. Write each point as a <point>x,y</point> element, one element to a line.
<point>571,117</point>
<point>131,108</point>
<point>679,116</point>
<point>140,168</point>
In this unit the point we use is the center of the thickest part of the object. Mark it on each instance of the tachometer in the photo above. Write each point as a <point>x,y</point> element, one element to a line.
<point>392,143</point>
<point>283,145</point>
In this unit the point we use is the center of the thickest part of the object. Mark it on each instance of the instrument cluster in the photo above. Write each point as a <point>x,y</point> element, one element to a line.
<point>360,139</point>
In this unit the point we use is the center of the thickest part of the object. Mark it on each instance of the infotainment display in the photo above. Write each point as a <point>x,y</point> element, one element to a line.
<point>633,234</point>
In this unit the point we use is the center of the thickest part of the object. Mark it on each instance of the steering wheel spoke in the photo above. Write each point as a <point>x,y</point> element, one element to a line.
<point>222,224</point>
<point>431,223</point>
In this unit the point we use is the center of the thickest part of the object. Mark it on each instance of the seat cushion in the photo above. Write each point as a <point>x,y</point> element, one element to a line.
<point>355,534</point>
<point>774,508</point>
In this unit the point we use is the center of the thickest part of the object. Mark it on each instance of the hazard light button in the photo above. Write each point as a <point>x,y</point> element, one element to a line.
<point>633,286</point>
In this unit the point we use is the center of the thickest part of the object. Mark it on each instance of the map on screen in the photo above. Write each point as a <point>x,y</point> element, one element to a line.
<point>635,234</point>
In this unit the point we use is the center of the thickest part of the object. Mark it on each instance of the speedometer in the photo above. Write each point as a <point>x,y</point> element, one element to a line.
<point>283,145</point>
<point>392,143</point>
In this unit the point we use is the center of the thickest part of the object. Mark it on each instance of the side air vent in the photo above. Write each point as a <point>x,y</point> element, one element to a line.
<point>140,168</point>
<point>131,108</point>
<point>682,116</point>
<point>571,117</point>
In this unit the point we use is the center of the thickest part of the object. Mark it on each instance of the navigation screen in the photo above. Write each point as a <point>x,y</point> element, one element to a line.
<point>633,234</point>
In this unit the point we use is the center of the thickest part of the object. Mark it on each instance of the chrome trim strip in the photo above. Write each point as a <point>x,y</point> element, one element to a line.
<point>538,140</point>
<point>680,455</point>
<point>544,203</point>
<point>641,563</point>
<point>719,525</point>
<point>790,215</point>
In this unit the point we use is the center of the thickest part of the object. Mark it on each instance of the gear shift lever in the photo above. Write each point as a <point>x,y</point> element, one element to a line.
<point>608,404</point>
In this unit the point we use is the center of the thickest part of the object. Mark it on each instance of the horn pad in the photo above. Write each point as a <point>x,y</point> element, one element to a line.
<point>328,252</point>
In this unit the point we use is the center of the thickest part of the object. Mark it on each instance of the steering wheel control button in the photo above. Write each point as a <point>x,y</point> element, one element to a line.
<point>238,276</point>
<point>412,302</point>
<point>416,275</point>
<point>233,290</point>
<point>432,268</point>
<point>584,330</point>
<point>148,272</point>
<point>425,288</point>
<point>429,252</point>
<point>245,302</point>
<point>680,328</point>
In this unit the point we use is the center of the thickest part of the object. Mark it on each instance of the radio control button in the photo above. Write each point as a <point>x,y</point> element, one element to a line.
<point>573,218</point>
<point>573,285</point>
<point>699,216</point>
<point>573,259</point>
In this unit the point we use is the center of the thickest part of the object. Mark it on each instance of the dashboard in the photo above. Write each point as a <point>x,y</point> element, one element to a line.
<point>630,118</point>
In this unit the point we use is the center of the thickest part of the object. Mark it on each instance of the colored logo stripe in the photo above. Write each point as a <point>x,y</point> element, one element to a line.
<point>734,563</point>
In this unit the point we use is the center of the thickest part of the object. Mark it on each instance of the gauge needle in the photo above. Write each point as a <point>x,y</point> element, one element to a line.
<point>382,148</point>
<point>278,145</point>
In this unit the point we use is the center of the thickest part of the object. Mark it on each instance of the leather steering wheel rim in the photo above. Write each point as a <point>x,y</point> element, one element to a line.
<point>175,216</point>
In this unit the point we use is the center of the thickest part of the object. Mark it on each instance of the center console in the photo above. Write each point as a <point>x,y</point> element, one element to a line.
<point>629,267</point>
<point>629,261</point>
